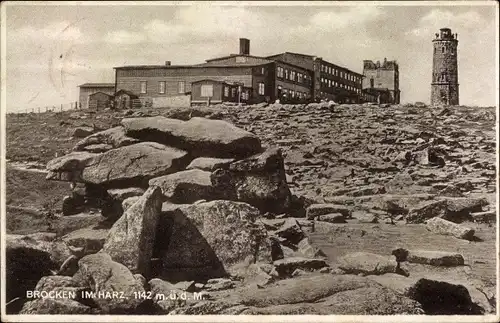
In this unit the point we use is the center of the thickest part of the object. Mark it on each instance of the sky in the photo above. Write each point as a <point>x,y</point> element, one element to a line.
<point>51,49</point>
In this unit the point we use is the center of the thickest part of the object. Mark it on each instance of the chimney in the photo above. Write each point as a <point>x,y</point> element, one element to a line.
<point>244,46</point>
<point>168,63</point>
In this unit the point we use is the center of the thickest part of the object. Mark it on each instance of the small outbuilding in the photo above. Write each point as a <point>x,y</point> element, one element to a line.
<point>126,100</point>
<point>100,101</point>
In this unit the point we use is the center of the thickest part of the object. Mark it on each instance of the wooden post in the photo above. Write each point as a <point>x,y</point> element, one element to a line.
<point>61,107</point>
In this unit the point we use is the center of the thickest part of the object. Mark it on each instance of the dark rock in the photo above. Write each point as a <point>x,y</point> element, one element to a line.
<point>366,263</point>
<point>130,241</point>
<point>101,274</point>
<point>285,267</point>
<point>316,210</point>
<point>187,186</point>
<point>258,180</point>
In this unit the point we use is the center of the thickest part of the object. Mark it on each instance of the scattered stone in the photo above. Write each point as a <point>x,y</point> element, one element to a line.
<point>291,231</point>
<point>55,306</point>
<point>366,263</point>
<point>441,226</point>
<point>332,218</point>
<point>316,210</point>
<point>435,258</point>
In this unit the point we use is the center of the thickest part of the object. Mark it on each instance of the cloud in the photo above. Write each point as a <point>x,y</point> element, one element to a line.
<point>438,18</point>
<point>347,18</point>
<point>56,31</point>
<point>124,37</point>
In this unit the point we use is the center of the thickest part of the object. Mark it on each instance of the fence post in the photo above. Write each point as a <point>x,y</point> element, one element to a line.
<point>38,109</point>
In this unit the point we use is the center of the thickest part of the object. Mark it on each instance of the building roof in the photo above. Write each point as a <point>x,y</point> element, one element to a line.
<point>129,93</point>
<point>97,85</point>
<point>263,59</point>
<point>312,56</point>
<point>306,55</point>
<point>101,93</point>
<point>202,65</point>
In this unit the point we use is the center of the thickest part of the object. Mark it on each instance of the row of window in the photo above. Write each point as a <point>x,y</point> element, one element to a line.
<point>245,94</point>
<point>291,75</point>
<point>345,75</point>
<point>292,93</point>
<point>331,83</point>
<point>181,87</point>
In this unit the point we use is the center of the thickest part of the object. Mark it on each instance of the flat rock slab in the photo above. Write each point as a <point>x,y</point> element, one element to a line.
<point>435,258</point>
<point>107,139</point>
<point>285,267</point>
<point>68,167</point>
<point>210,164</point>
<point>366,263</point>
<point>441,226</point>
<point>316,210</point>
<point>90,240</point>
<point>123,193</point>
<point>134,164</point>
<point>332,218</point>
<point>101,274</point>
<point>187,186</point>
<point>199,136</point>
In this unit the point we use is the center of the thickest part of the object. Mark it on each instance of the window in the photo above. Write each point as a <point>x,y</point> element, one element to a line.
<point>442,49</point>
<point>286,74</point>
<point>143,86</point>
<point>292,93</point>
<point>262,89</point>
<point>329,83</point>
<point>263,70</point>
<point>181,87</point>
<point>226,91</point>
<point>292,75</point>
<point>280,72</point>
<point>207,90</point>
<point>329,70</point>
<point>161,87</point>
<point>299,77</point>
<point>233,92</point>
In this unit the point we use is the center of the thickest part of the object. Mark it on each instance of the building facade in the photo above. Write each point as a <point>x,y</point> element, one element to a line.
<point>288,77</point>
<point>444,86</point>
<point>328,81</point>
<point>382,78</point>
<point>90,88</point>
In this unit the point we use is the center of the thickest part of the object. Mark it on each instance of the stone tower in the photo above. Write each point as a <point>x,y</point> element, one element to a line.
<point>444,86</point>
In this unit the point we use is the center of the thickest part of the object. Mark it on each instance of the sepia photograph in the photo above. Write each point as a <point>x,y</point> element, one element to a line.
<point>249,161</point>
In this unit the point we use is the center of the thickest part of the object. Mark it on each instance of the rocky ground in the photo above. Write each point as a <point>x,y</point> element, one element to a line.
<point>317,209</point>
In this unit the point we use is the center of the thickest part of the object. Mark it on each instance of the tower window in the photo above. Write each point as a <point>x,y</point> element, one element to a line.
<point>442,49</point>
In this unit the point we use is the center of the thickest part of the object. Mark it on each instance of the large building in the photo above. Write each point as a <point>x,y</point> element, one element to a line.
<point>287,76</point>
<point>444,86</point>
<point>382,80</point>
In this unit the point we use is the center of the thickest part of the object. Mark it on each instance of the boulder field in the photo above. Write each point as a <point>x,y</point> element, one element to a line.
<point>207,209</point>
